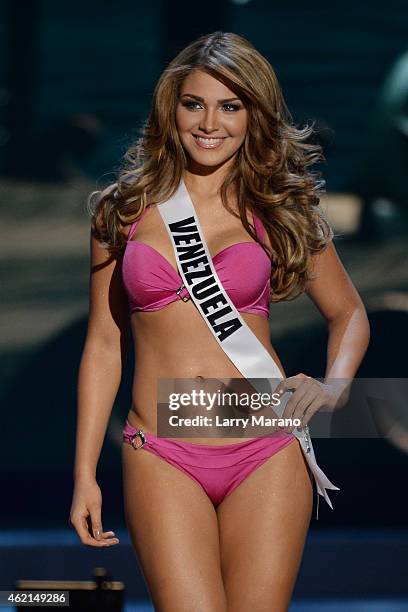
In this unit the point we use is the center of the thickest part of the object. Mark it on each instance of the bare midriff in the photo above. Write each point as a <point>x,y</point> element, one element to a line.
<point>175,343</point>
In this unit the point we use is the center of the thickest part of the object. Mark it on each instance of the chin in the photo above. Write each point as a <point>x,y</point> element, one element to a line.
<point>210,160</point>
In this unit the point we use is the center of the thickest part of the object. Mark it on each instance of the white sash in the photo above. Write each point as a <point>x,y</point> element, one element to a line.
<point>240,344</point>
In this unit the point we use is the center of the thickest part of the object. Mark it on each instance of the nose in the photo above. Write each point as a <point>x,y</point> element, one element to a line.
<point>209,122</point>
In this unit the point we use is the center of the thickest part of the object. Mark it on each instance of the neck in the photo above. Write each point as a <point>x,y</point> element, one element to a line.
<point>204,180</point>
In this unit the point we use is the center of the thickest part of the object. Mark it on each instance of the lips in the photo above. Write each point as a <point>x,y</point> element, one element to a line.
<point>208,143</point>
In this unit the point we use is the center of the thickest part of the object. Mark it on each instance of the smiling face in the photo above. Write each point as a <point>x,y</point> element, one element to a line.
<point>211,120</point>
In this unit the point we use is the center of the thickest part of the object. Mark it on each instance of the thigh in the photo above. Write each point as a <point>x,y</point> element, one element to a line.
<point>174,530</point>
<point>263,526</point>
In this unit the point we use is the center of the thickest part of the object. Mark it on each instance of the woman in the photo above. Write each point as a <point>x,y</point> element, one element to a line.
<point>219,126</point>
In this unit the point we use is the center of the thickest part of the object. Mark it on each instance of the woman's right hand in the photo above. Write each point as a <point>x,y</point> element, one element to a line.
<point>85,515</point>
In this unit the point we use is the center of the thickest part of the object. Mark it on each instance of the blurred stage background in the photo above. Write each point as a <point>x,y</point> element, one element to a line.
<point>76,85</point>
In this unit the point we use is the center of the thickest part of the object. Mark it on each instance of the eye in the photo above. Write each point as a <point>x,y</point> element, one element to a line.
<point>191,104</point>
<point>231,107</point>
<point>194,105</point>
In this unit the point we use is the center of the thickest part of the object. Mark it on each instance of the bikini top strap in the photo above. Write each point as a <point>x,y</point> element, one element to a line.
<point>134,226</point>
<point>259,228</point>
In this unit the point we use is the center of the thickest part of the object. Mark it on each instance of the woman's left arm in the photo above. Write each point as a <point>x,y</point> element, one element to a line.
<point>334,294</point>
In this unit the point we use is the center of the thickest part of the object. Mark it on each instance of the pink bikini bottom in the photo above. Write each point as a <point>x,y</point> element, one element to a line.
<point>217,469</point>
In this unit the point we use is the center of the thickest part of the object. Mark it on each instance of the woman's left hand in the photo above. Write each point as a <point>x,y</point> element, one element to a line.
<point>309,396</point>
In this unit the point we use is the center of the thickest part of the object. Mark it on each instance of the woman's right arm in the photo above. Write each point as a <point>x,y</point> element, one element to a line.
<point>99,378</point>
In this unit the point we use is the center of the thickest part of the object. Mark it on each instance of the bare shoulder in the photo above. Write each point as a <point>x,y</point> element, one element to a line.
<point>108,305</point>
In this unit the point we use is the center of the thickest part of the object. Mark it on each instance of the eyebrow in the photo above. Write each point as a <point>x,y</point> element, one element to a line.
<point>202,99</point>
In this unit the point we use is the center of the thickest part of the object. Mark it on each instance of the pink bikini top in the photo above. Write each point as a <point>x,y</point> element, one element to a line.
<point>151,282</point>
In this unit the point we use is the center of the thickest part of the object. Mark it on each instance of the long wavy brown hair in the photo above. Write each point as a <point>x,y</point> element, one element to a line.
<point>270,174</point>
